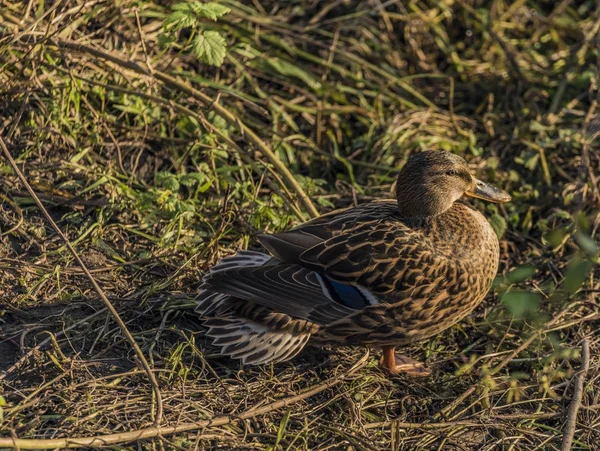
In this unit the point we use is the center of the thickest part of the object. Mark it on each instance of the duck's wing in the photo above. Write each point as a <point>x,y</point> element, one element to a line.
<point>336,277</point>
<point>381,256</point>
<point>367,246</point>
<point>287,288</point>
<point>288,246</point>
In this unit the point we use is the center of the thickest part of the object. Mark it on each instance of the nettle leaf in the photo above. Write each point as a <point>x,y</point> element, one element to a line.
<point>218,121</point>
<point>179,19</point>
<point>198,46</point>
<point>168,181</point>
<point>188,7</point>
<point>193,178</point>
<point>209,10</point>
<point>219,153</point>
<point>171,184</point>
<point>145,201</point>
<point>210,47</point>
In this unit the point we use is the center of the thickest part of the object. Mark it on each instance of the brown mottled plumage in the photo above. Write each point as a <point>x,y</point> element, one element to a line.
<point>386,273</point>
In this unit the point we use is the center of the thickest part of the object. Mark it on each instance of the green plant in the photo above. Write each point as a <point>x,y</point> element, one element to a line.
<point>208,45</point>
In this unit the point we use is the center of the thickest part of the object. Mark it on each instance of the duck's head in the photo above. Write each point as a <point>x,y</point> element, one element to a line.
<point>431,181</point>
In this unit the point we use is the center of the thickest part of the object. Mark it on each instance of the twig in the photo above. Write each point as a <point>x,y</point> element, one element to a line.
<point>509,51</point>
<point>139,26</point>
<point>97,289</point>
<point>484,422</point>
<point>155,431</point>
<point>569,430</point>
<point>446,410</point>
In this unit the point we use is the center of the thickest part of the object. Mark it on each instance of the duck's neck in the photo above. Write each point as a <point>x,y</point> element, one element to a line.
<point>420,201</point>
<point>429,220</point>
<point>444,224</point>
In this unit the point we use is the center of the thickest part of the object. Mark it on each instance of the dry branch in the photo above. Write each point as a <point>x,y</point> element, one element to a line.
<point>569,430</point>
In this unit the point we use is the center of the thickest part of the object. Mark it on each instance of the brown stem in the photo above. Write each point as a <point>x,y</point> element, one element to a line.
<point>575,404</point>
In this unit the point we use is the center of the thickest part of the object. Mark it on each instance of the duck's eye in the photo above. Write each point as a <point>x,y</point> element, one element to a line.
<point>451,172</point>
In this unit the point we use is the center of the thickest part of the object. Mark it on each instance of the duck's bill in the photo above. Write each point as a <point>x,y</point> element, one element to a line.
<point>482,190</point>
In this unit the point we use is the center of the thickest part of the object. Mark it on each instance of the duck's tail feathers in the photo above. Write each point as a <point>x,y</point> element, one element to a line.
<point>240,337</point>
<point>253,343</point>
<point>209,303</point>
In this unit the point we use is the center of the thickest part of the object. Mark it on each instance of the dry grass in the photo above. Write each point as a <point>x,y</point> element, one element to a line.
<point>156,165</point>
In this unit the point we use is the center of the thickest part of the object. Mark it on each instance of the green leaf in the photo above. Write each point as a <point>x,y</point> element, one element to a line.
<point>198,46</point>
<point>184,6</point>
<point>210,47</point>
<point>171,184</point>
<point>498,223</point>
<point>278,201</point>
<point>209,10</point>
<point>555,237</point>
<point>145,201</point>
<point>218,121</point>
<point>204,187</point>
<point>192,179</point>
<point>576,275</point>
<point>586,243</point>
<point>521,303</point>
<point>282,427</point>
<point>521,274</point>
<point>323,202</point>
<point>291,70</point>
<point>178,20</point>
<point>218,153</point>
<point>168,181</point>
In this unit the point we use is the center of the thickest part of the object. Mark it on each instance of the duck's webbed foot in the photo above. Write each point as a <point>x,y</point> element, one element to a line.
<point>398,363</point>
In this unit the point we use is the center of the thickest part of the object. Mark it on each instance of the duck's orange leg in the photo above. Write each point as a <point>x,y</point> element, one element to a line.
<point>398,363</point>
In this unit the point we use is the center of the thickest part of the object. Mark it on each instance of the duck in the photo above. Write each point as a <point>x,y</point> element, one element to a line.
<point>387,274</point>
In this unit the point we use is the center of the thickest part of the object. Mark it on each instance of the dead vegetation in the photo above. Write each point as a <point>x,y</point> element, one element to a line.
<point>155,159</point>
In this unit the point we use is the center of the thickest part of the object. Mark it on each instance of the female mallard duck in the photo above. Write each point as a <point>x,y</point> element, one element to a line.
<point>383,273</point>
